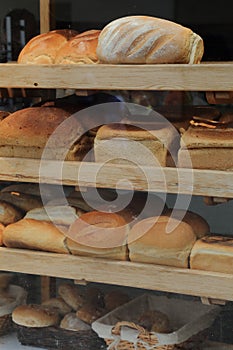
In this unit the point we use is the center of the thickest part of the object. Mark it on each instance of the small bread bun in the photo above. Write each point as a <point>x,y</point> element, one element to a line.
<point>155,321</point>
<point>71,295</point>
<point>43,48</point>
<point>34,315</point>
<point>115,298</point>
<point>73,323</point>
<point>58,304</point>
<point>80,49</point>
<point>89,313</point>
<point>9,213</point>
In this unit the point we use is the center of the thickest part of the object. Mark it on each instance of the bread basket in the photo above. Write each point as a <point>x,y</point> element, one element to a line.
<point>19,295</point>
<point>190,321</point>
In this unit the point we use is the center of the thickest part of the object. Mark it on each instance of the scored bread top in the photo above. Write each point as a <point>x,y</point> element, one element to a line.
<point>147,39</point>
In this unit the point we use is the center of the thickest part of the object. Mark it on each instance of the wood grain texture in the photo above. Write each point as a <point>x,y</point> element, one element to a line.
<point>120,77</point>
<point>88,174</point>
<point>153,277</point>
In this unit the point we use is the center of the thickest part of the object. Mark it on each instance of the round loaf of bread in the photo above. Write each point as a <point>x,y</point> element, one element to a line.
<point>146,39</point>
<point>155,321</point>
<point>89,313</point>
<point>34,315</point>
<point>71,295</point>
<point>80,49</point>
<point>9,213</point>
<point>43,48</point>
<point>58,304</point>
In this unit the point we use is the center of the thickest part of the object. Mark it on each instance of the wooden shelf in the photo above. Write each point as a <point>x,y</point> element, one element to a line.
<point>169,180</point>
<point>125,273</point>
<point>120,77</point>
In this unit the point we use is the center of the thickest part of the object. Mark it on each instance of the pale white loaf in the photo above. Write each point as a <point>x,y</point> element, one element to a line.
<point>146,39</point>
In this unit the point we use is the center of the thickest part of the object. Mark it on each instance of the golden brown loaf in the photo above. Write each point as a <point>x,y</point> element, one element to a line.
<point>33,315</point>
<point>43,48</point>
<point>99,234</point>
<point>213,253</point>
<point>80,49</point>
<point>34,234</point>
<point>145,39</point>
<point>161,240</point>
<point>25,133</point>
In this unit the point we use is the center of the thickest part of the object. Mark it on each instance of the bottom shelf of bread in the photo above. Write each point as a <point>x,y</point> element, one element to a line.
<point>125,273</point>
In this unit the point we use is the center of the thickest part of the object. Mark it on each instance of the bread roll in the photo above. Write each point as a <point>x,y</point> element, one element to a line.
<point>115,298</point>
<point>73,323</point>
<point>89,313</point>
<point>166,241</point>
<point>128,144</point>
<point>34,234</point>
<point>1,232</point>
<point>59,215</point>
<point>71,295</point>
<point>99,234</point>
<point>213,253</point>
<point>155,321</point>
<point>199,225</point>
<point>206,148</point>
<point>43,48</point>
<point>146,39</point>
<point>58,304</point>
<point>23,201</point>
<point>80,49</point>
<point>9,213</point>
<point>34,315</point>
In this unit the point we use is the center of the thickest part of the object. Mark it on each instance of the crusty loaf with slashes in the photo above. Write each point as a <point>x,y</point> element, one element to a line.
<point>146,39</point>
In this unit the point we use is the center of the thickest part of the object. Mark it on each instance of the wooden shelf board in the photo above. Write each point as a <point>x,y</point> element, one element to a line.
<point>125,273</point>
<point>120,77</point>
<point>167,180</point>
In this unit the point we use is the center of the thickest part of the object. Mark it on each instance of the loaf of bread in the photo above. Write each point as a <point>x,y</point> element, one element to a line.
<point>207,147</point>
<point>71,295</point>
<point>81,49</point>
<point>128,144</point>
<point>36,235</point>
<point>89,313</point>
<point>163,241</point>
<point>58,304</point>
<point>199,225</point>
<point>23,201</point>
<point>213,253</point>
<point>1,232</point>
<point>146,39</point>
<point>155,321</point>
<point>33,315</point>
<point>99,234</point>
<point>43,48</point>
<point>9,213</point>
<point>26,132</point>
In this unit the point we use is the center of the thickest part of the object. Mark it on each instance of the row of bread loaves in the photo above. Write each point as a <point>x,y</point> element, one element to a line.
<point>130,40</point>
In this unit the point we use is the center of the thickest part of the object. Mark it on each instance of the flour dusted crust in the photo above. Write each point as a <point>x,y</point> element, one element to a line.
<point>146,39</point>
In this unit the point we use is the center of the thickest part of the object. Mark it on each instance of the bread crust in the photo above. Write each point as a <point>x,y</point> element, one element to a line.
<point>33,315</point>
<point>149,241</point>
<point>43,48</point>
<point>9,213</point>
<point>81,49</point>
<point>146,39</point>
<point>36,235</point>
<point>71,295</point>
<point>213,253</point>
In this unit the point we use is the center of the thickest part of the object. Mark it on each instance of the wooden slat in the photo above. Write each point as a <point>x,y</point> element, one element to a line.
<point>153,277</point>
<point>87,174</point>
<point>45,16</point>
<point>120,77</point>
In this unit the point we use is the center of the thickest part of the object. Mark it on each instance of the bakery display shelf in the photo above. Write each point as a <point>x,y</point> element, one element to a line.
<point>142,178</point>
<point>11,343</point>
<point>147,276</point>
<point>113,77</point>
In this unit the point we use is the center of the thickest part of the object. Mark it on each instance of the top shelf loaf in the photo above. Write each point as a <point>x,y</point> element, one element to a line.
<point>207,76</point>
